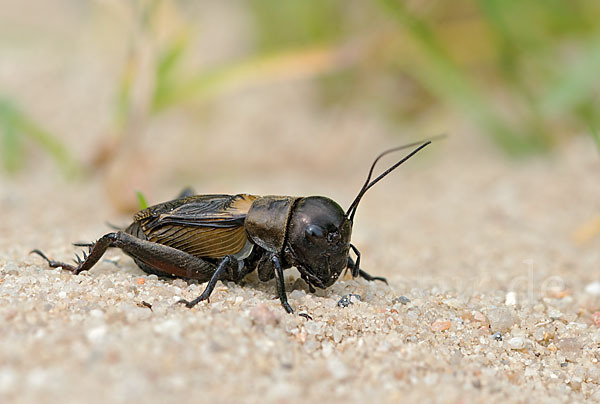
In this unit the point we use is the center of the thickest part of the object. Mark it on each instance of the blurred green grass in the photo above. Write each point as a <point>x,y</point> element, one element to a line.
<point>17,127</point>
<point>533,83</point>
<point>522,73</point>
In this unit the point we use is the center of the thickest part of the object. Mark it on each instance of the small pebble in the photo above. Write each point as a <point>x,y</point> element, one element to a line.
<point>337,369</point>
<point>349,299</point>
<point>337,335</point>
<point>11,268</point>
<point>501,319</point>
<point>557,292</point>
<point>575,384</point>
<point>516,343</point>
<point>261,314</point>
<point>140,281</point>
<point>596,318</point>
<point>440,325</point>
<point>313,327</point>
<point>171,328</point>
<point>570,348</point>
<point>96,335</point>
<point>497,336</point>
<point>539,334</point>
<point>593,288</point>
<point>480,318</point>
<point>554,314</point>
<point>401,299</point>
<point>297,294</point>
<point>510,299</point>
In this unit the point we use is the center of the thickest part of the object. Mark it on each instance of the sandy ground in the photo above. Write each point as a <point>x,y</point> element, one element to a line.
<point>489,299</point>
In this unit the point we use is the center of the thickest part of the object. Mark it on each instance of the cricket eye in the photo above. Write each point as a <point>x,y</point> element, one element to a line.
<point>314,232</point>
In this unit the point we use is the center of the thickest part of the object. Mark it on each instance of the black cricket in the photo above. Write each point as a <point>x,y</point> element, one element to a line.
<point>225,237</point>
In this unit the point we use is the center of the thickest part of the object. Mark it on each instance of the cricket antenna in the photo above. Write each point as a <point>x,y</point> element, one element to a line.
<point>368,183</point>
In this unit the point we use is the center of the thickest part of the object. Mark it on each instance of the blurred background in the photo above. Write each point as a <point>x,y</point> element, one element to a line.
<point>153,95</point>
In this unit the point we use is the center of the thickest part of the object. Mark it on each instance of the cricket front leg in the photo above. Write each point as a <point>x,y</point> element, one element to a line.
<point>356,271</point>
<point>281,284</point>
<point>269,267</point>
<point>229,265</point>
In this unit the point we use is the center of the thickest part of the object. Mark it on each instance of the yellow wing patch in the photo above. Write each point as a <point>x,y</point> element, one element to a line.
<point>204,242</point>
<point>206,226</point>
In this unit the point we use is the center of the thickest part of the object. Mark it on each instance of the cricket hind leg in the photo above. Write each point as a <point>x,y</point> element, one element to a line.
<point>95,252</point>
<point>151,270</point>
<point>157,257</point>
<point>161,260</point>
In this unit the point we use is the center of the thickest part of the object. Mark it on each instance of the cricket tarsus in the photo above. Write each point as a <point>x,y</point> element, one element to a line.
<point>363,274</point>
<point>95,252</point>
<point>53,263</point>
<point>217,275</point>
<point>369,277</point>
